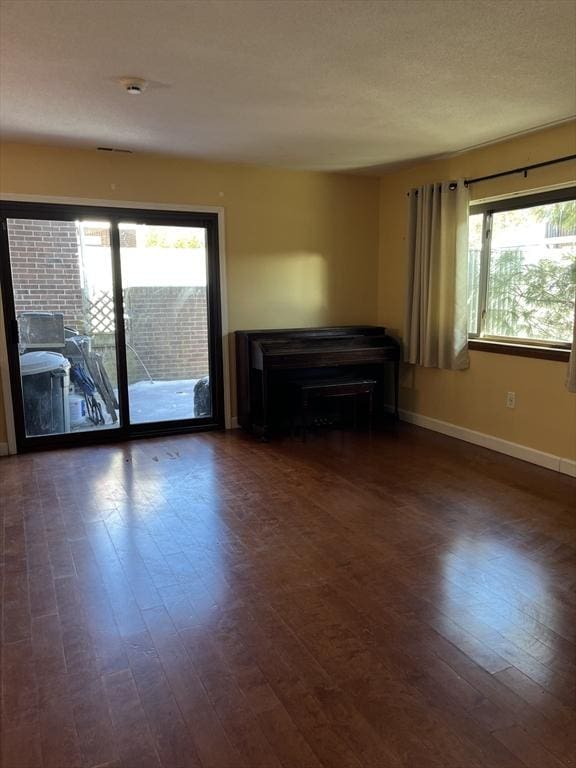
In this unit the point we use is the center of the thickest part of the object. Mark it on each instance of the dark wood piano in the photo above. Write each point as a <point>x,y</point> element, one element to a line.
<point>268,362</point>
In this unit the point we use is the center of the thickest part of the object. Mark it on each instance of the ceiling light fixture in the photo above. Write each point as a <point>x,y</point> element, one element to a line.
<point>133,85</point>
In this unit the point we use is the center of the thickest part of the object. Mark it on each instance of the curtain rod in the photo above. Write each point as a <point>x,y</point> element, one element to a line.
<point>522,169</point>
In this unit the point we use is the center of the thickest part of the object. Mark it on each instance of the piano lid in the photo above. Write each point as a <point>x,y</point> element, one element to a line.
<point>312,351</point>
<point>316,344</point>
<point>320,332</point>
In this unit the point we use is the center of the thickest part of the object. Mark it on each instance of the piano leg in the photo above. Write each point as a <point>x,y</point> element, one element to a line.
<point>370,411</point>
<point>396,388</point>
<point>304,411</point>
<point>264,435</point>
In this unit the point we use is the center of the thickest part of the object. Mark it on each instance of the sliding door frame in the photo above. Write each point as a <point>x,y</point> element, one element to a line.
<point>64,209</point>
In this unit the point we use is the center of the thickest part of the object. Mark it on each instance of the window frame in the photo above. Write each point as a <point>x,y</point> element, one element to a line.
<point>477,340</point>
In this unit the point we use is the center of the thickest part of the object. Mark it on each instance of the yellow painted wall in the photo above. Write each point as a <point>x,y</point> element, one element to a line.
<point>545,416</point>
<point>301,248</point>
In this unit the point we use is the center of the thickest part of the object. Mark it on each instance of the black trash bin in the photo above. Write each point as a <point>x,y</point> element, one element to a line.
<point>45,386</point>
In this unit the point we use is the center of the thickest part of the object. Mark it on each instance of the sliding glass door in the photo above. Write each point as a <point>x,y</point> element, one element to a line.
<point>165,321</point>
<point>113,322</point>
<point>66,383</point>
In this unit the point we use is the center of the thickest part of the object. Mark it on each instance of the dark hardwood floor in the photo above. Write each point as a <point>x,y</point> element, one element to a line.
<point>353,602</point>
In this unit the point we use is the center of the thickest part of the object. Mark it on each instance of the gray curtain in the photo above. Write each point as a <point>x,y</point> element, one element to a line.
<point>571,379</point>
<point>436,322</point>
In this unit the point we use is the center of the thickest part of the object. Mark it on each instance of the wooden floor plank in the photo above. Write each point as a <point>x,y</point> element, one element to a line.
<point>132,732</point>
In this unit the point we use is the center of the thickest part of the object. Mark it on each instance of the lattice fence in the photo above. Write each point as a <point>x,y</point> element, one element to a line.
<point>101,311</point>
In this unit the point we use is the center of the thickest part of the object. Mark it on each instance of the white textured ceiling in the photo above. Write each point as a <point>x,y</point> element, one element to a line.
<point>322,84</point>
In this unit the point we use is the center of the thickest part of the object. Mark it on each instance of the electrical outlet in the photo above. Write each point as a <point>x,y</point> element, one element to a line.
<point>510,399</point>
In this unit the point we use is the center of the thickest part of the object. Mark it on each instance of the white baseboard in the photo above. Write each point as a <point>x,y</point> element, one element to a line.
<point>234,423</point>
<point>3,449</point>
<point>548,460</point>
<point>567,467</point>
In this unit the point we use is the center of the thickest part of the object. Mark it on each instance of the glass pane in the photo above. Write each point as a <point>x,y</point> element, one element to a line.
<point>62,277</point>
<point>166,320</point>
<point>532,274</point>
<point>474,255</point>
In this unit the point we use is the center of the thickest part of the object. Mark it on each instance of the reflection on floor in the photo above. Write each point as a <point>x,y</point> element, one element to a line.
<point>388,601</point>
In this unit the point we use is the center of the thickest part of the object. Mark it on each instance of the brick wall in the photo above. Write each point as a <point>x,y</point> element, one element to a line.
<point>45,268</point>
<point>168,328</point>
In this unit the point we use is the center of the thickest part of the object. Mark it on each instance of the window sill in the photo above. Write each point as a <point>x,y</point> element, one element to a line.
<point>521,350</point>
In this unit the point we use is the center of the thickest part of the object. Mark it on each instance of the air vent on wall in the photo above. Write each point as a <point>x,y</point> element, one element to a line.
<point>113,149</point>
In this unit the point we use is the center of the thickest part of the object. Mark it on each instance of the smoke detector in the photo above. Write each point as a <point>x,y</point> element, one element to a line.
<point>133,85</point>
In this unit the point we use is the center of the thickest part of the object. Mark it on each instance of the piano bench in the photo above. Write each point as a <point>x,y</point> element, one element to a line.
<point>312,389</point>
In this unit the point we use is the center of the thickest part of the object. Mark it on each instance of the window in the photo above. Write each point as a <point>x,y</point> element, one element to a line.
<point>522,270</point>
